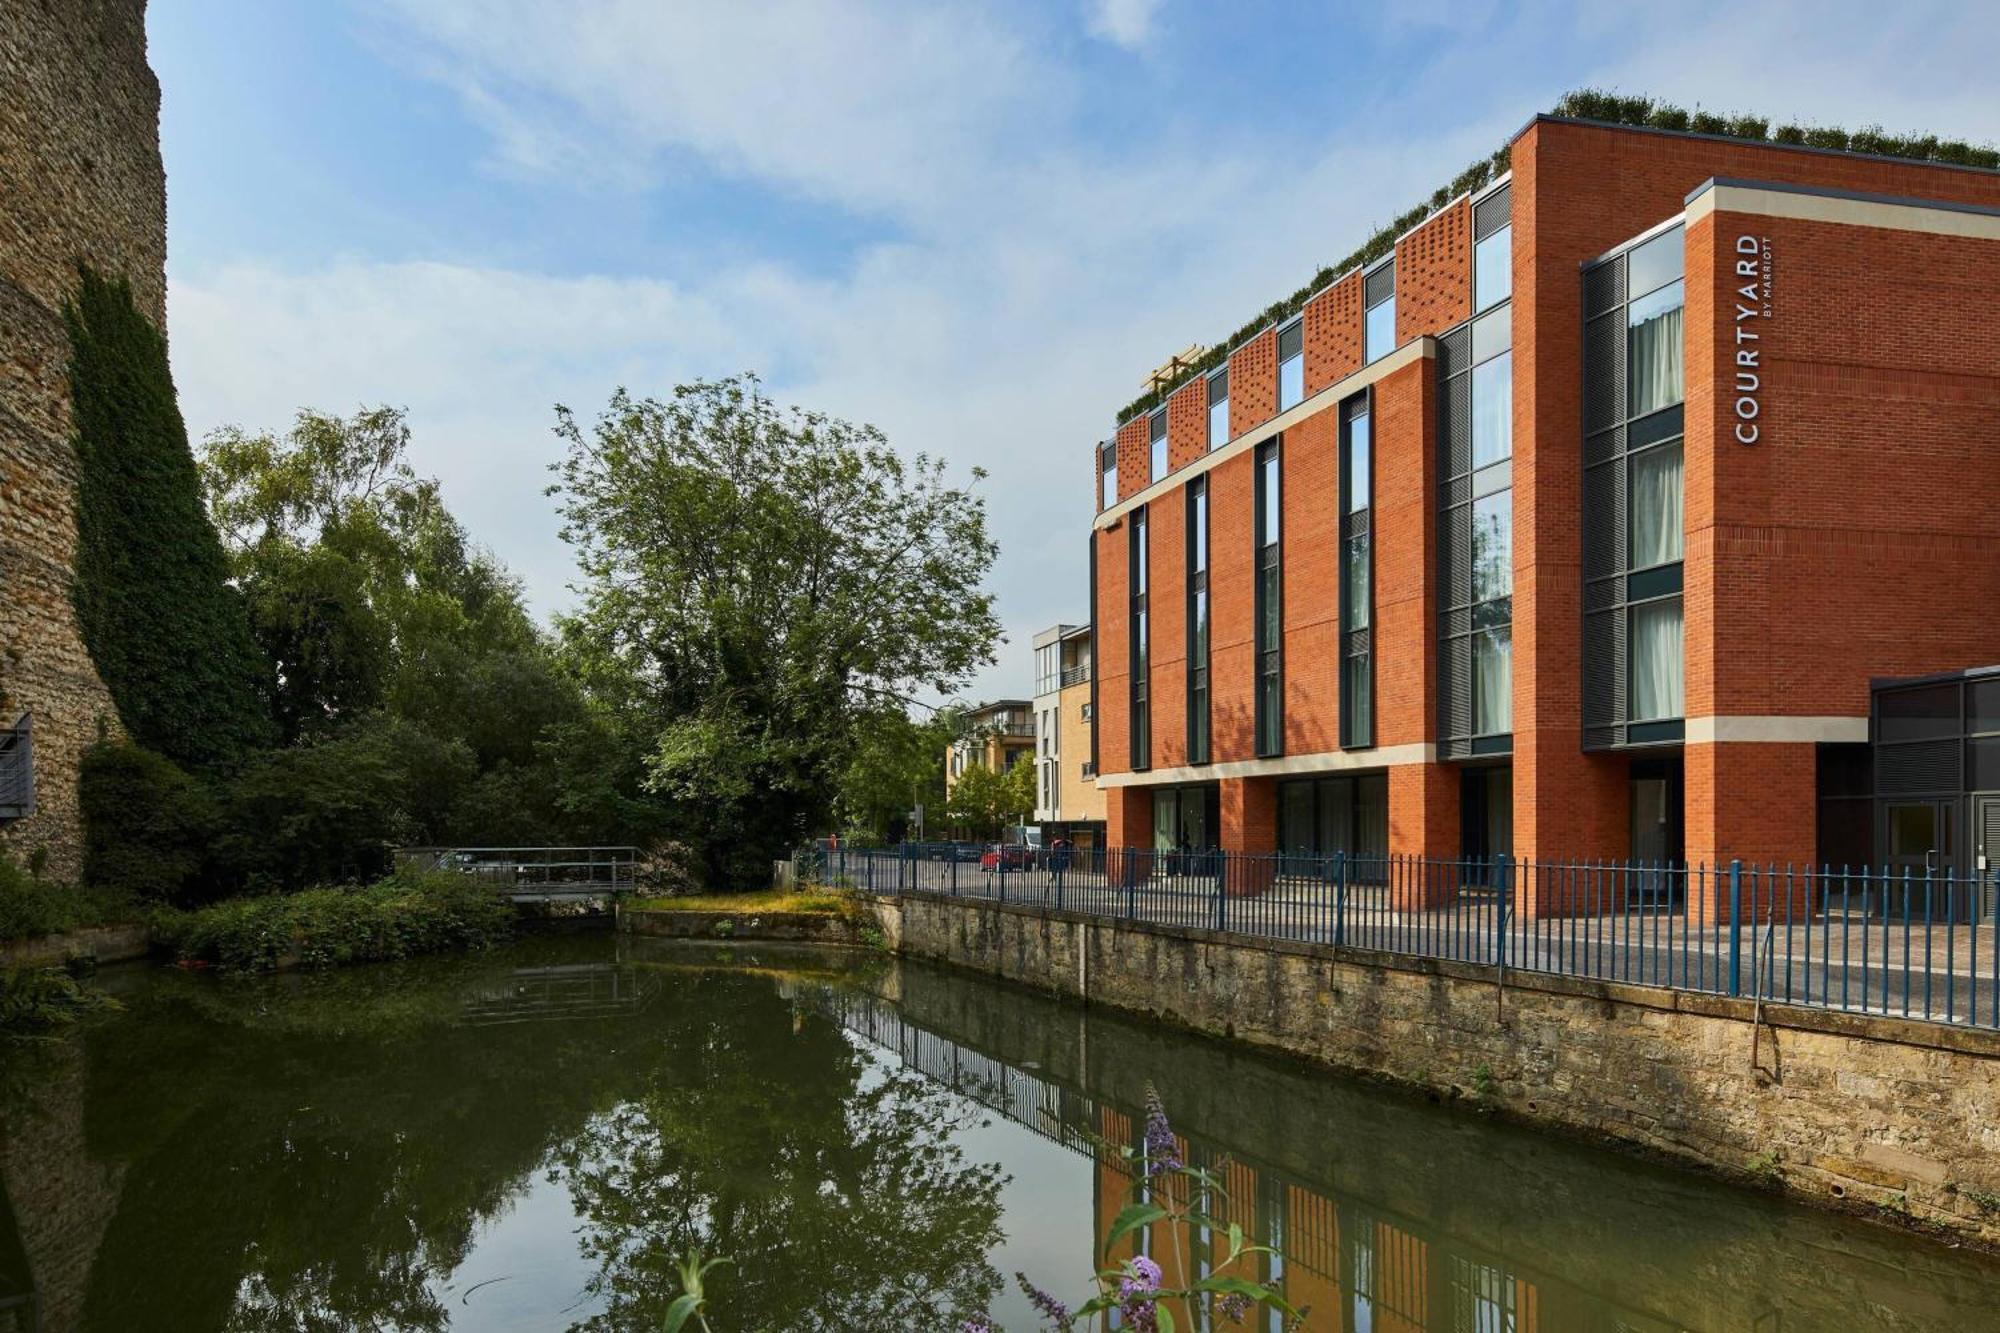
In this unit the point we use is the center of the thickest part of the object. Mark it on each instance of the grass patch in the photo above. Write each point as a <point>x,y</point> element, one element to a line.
<point>30,906</point>
<point>398,917</point>
<point>812,901</point>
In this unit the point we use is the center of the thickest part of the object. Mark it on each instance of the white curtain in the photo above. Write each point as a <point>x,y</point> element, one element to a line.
<point>1655,349</point>
<point>1656,507</point>
<point>1656,661</point>
<point>1492,681</point>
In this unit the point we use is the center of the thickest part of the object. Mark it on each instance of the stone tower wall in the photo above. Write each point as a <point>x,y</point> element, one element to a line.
<point>80,179</point>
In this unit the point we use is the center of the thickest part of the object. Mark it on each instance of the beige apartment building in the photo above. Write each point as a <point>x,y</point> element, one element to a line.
<point>1067,800</point>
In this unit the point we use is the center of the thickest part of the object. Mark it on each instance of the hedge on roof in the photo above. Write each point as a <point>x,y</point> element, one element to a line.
<point>1609,108</point>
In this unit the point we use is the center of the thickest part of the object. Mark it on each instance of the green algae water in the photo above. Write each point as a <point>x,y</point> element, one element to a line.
<point>527,1140</point>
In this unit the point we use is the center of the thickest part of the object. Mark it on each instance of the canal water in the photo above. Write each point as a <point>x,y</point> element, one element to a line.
<point>528,1139</point>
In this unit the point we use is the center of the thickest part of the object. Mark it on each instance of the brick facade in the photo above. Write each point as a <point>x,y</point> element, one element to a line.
<point>1859,539</point>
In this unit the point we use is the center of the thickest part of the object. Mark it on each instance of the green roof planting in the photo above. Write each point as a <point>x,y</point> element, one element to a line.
<point>1597,106</point>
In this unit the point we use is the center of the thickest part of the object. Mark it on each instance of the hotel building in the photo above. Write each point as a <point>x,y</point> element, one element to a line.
<point>1623,509</point>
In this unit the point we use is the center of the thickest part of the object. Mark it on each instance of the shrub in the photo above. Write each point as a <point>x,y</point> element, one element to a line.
<point>147,825</point>
<point>34,999</point>
<point>30,906</point>
<point>398,917</point>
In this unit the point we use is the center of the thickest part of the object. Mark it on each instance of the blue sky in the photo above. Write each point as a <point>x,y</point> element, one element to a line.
<point>975,226</point>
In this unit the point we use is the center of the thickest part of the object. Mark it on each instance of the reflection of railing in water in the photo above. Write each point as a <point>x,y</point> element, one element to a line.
<point>573,990</point>
<point>1379,1269</point>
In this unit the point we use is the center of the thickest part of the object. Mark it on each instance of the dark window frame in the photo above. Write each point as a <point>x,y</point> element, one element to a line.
<point>1220,376</point>
<point>1267,565</point>
<point>1357,527</point>
<point>1139,639</point>
<point>1466,620</point>
<point>1200,612</point>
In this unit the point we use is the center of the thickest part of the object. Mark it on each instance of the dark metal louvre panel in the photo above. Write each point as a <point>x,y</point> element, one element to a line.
<point>1218,386</point>
<point>1927,766</point>
<point>1358,643</point>
<point>1458,491</point>
<point>1379,285</point>
<point>1604,286</point>
<point>1455,351</point>
<point>1456,426</point>
<point>1157,427</point>
<point>1603,446</point>
<point>17,769</point>
<point>1455,557</point>
<point>1600,738</point>
<point>1603,521</point>
<point>1455,687</point>
<point>1603,372</point>
<point>1354,407</point>
<point>1108,456</point>
<point>1291,340</point>
<point>1988,835</point>
<point>1493,212</point>
<point>1601,594</point>
<point>1457,621</point>
<point>1356,524</point>
<point>1600,669</point>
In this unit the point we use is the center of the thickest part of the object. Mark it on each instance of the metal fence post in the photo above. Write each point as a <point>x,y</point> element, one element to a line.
<point>1503,882</point>
<point>1735,927</point>
<point>1221,902</point>
<point>1340,898</point>
<point>1131,883</point>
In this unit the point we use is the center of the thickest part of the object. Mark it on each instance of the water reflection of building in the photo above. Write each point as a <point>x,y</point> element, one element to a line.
<point>1360,1265</point>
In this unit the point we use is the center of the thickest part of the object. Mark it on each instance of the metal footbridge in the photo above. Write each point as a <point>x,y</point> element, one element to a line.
<point>536,874</point>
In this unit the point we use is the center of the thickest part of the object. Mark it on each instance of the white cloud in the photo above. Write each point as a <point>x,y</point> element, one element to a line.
<point>1126,23</point>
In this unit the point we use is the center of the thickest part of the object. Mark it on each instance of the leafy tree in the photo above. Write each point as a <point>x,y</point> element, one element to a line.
<point>761,582</point>
<point>983,801</point>
<point>897,761</point>
<point>167,633</point>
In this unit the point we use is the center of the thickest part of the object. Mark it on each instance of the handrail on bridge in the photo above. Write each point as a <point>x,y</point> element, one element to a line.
<point>534,870</point>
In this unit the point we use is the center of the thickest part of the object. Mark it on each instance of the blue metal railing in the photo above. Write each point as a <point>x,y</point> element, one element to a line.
<point>1907,942</point>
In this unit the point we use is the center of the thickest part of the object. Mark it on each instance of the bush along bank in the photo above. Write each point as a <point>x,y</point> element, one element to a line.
<point>34,1000</point>
<point>398,917</point>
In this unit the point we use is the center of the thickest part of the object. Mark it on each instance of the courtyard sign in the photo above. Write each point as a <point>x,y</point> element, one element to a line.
<point>1752,301</point>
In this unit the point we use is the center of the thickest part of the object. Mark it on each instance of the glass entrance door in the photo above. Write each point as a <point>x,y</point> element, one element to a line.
<point>1918,837</point>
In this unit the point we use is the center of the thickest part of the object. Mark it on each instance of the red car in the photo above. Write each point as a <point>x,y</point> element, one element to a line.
<point>1007,856</point>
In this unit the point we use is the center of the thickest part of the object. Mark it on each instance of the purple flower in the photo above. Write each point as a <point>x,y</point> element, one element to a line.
<point>1162,1153</point>
<point>1234,1306</point>
<point>979,1323</point>
<point>1138,1291</point>
<point>1051,1309</point>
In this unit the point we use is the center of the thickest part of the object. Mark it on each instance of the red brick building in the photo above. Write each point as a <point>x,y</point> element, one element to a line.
<point>1579,525</point>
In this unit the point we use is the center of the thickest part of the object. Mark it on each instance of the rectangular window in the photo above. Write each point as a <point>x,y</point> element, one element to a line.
<point>1655,684</point>
<point>1141,643</point>
<point>1493,547</point>
<point>1379,323</point>
<point>1493,269</point>
<point>1156,429</point>
<point>1653,350</point>
<point>1269,609</point>
<point>1357,584</point>
<point>1493,410</point>
<point>1291,365</point>
<point>1108,466</point>
<point>1492,680</point>
<point>1197,621</point>
<point>1218,408</point>
<point>1654,528</point>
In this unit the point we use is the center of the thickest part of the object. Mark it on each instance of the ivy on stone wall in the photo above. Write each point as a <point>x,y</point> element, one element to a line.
<point>1607,108</point>
<point>166,630</point>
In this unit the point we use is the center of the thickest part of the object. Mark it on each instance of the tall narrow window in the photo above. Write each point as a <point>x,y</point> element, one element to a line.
<point>1142,665</point>
<point>1357,582</point>
<point>1197,621</point>
<point>1378,296</point>
<point>1291,365</point>
<point>1656,660</point>
<point>1654,528</point>
<point>1218,408</point>
<point>1493,249</point>
<point>1156,432</point>
<point>1107,466</point>
<point>1476,433</point>
<point>1270,719</point>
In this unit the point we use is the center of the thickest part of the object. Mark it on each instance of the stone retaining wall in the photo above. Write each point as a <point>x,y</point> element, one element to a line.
<point>812,927</point>
<point>1889,1118</point>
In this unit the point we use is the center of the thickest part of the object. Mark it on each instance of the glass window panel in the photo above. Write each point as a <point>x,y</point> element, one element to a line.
<point>1381,329</point>
<point>1654,352</point>
<point>1268,717</point>
<point>1354,597</point>
<point>1493,268</point>
<point>1165,806</point>
<point>1291,382</point>
<point>1159,458</point>
<point>1654,529</point>
<point>1268,596</point>
<point>1356,701</point>
<point>1218,423</point>
<point>1493,410</point>
<point>1924,713</point>
<point>1912,829</point>
<point>1491,335</point>
<point>1297,833</point>
<point>1198,636</point>
<point>1656,263</point>
<point>1358,480</point>
<point>1655,650</point>
<point>1492,681</point>
<point>1139,539</point>
<point>1371,815</point>
<point>1983,705</point>
<point>1496,477</point>
<point>1110,496</point>
<point>1199,503</point>
<point>1493,546</point>
<point>1982,765</point>
<point>1269,481</point>
<point>1141,642</point>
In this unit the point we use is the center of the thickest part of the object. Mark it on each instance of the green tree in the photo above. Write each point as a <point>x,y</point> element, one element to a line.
<point>898,762</point>
<point>762,581</point>
<point>983,802</point>
<point>167,632</point>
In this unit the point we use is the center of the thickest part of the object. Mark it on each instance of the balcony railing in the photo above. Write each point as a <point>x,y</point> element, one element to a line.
<point>1075,676</point>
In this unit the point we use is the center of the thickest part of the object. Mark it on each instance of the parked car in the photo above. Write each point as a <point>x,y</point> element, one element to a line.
<point>1007,856</point>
